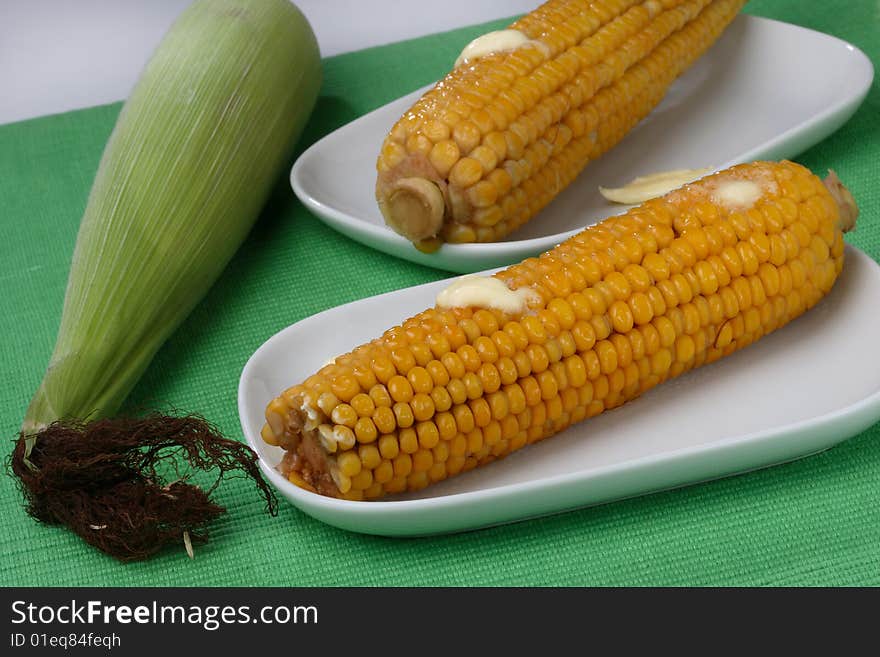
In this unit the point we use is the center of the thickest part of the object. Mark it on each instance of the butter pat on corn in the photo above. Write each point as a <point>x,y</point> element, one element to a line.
<point>738,194</point>
<point>486,292</point>
<point>644,188</point>
<point>491,43</point>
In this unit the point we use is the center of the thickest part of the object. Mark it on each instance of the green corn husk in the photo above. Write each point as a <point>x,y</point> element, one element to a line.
<point>195,152</point>
<point>191,161</point>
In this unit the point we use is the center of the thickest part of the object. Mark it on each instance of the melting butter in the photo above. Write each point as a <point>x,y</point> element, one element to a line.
<point>740,194</point>
<point>644,188</point>
<point>486,292</point>
<point>492,42</point>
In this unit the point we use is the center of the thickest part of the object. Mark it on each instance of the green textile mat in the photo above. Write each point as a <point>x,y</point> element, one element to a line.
<point>811,522</point>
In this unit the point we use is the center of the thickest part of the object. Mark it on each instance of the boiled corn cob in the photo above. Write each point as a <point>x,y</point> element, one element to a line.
<point>497,139</point>
<point>679,281</point>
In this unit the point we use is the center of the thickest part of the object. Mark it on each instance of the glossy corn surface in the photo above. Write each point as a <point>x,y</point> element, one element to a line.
<point>502,136</point>
<point>621,307</point>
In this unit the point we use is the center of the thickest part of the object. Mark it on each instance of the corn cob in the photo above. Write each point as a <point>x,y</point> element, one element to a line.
<point>679,281</point>
<point>496,140</point>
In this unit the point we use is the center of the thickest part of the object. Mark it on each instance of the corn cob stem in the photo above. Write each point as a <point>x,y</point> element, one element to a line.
<point>846,204</point>
<point>414,207</point>
<point>677,282</point>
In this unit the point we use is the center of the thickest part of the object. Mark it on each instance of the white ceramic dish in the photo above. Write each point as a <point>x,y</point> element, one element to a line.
<point>806,387</point>
<point>765,90</point>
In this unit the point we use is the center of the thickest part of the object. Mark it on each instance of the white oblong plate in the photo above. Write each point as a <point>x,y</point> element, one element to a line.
<point>765,90</point>
<point>800,390</point>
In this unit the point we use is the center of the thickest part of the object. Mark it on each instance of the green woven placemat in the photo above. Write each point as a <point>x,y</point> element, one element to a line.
<point>816,521</point>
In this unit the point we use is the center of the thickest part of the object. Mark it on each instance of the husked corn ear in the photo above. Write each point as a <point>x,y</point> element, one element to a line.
<point>679,281</point>
<point>497,139</point>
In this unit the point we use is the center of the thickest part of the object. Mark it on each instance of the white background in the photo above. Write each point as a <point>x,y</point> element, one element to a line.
<point>59,55</point>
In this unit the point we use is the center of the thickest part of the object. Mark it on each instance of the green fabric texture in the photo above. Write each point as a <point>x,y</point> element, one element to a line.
<point>811,522</point>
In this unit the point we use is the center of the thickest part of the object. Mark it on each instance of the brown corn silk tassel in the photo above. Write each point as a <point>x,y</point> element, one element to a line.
<point>103,480</point>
